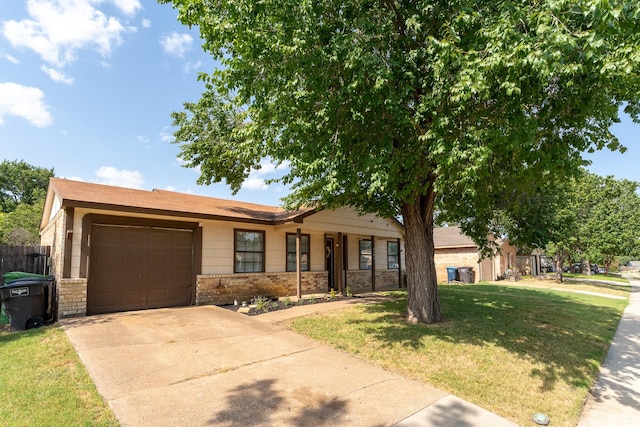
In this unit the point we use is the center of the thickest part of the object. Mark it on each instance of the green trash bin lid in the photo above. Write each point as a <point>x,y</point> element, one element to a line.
<point>17,275</point>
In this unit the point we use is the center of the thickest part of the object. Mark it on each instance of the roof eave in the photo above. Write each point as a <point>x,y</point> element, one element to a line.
<point>162,212</point>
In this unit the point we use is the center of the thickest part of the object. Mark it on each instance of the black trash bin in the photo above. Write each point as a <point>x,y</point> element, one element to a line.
<point>27,300</point>
<point>466,274</point>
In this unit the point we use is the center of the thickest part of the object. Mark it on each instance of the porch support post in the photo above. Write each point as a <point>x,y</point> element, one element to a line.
<point>373,264</point>
<point>298,265</point>
<point>339,262</point>
<point>399,265</point>
<point>345,260</point>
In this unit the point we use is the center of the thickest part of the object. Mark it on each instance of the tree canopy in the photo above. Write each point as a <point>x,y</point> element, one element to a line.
<point>467,107</point>
<point>20,183</point>
<point>22,192</point>
<point>597,220</point>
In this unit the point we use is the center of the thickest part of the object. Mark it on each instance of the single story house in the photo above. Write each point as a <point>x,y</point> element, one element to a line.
<point>455,249</point>
<point>119,249</point>
<point>634,265</point>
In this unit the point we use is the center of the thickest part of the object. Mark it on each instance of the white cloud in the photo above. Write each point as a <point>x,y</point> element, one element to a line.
<point>146,23</point>
<point>166,137</point>
<point>57,76</point>
<point>121,178</point>
<point>255,181</point>
<point>10,58</point>
<point>24,101</point>
<point>58,29</point>
<point>129,7</point>
<point>176,44</point>
<point>190,66</point>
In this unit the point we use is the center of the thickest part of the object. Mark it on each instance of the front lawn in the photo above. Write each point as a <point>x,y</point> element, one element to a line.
<point>606,277</point>
<point>513,350</point>
<point>43,382</point>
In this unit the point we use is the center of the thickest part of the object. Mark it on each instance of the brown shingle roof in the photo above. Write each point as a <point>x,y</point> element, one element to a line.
<point>451,237</point>
<point>87,195</point>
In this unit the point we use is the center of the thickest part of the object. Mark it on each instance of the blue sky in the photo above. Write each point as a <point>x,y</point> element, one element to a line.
<point>87,88</point>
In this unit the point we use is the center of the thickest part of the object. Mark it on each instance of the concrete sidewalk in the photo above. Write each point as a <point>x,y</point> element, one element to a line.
<point>196,366</point>
<point>615,398</point>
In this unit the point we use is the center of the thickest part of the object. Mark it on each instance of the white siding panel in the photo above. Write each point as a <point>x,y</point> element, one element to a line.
<point>77,241</point>
<point>345,220</point>
<point>275,256</point>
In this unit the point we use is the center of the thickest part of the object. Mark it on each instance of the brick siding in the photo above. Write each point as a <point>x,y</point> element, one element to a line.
<point>225,288</point>
<point>72,297</point>
<point>463,257</point>
<point>360,280</point>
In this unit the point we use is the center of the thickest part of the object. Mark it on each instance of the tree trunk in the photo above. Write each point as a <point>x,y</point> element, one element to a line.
<point>559,260</point>
<point>423,303</point>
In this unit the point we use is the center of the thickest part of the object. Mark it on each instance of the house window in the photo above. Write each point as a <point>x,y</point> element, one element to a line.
<point>249,248</point>
<point>392,256</point>
<point>291,252</point>
<point>365,255</point>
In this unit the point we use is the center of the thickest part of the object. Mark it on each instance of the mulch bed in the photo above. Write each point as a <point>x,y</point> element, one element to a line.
<point>276,304</point>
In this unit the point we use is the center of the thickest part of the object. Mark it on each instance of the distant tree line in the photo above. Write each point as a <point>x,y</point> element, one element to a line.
<point>597,220</point>
<point>23,190</point>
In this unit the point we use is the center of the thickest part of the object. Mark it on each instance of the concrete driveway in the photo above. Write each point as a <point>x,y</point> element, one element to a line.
<point>196,366</point>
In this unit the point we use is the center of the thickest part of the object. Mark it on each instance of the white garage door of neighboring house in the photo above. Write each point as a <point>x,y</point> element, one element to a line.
<point>136,267</point>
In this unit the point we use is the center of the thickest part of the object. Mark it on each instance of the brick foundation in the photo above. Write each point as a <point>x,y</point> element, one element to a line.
<point>72,297</point>
<point>225,288</point>
<point>360,280</point>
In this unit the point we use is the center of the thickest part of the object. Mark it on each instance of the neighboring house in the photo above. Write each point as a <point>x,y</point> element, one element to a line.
<point>119,249</point>
<point>631,266</point>
<point>455,249</point>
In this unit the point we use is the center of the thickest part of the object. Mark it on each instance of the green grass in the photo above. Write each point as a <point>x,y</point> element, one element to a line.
<point>596,277</point>
<point>44,383</point>
<point>513,350</point>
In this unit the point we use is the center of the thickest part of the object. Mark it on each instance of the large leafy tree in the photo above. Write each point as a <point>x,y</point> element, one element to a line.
<point>22,192</point>
<point>405,107</point>
<point>610,225</point>
<point>20,183</point>
<point>597,221</point>
<point>22,226</point>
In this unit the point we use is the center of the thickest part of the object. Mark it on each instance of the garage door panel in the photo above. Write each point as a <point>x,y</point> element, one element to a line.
<point>110,299</point>
<point>155,296</point>
<point>181,277</point>
<point>133,268</point>
<point>183,295</point>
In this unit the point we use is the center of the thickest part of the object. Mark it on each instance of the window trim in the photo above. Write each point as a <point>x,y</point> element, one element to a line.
<point>235,249</point>
<point>397,255</point>
<point>308,253</point>
<point>360,254</point>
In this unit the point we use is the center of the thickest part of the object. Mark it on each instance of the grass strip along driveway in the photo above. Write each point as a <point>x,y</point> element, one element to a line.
<point>513,350</point>
<point>43,382</point>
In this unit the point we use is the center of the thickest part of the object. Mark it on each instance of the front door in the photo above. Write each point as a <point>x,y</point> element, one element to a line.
<point>330,264</point>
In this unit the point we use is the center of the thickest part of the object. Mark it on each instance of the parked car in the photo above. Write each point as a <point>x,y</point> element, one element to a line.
<point>576,267</point>
<point>548,269</point>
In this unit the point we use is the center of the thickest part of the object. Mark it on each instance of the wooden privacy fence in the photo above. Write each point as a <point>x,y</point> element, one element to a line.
<point>30,259</point>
